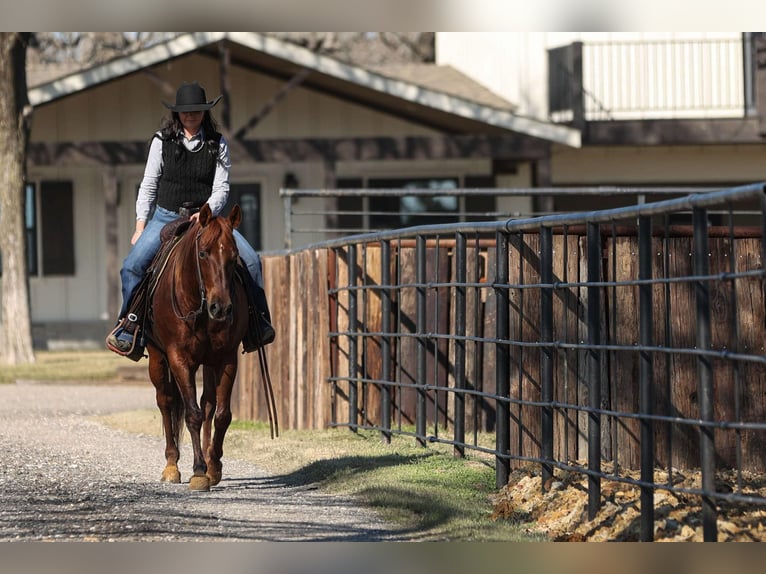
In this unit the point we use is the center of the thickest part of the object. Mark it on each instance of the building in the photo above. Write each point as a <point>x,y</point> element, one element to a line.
<point>495,111</point>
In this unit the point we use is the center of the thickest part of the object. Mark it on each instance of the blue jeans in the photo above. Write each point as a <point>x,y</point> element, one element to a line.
<point>142,253</point>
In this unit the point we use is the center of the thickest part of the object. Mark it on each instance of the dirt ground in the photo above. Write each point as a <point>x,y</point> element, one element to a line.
<point>561,512</point>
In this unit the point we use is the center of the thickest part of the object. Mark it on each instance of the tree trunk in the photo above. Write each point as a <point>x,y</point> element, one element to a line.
<point>15,114</point>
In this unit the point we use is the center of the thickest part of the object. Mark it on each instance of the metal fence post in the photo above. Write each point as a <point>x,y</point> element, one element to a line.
<point>546,352</point>
<point>353,369</point>
<point>594,369</point>
<point>287,202</point>
<point>705,372</point>
<point>420,406</point>
<point>646,375</point>
<point>502,363</point>
<point>460,320</point>
<point>385,340</point>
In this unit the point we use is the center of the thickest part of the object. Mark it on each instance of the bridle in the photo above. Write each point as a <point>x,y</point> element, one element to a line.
<point>200,284</point>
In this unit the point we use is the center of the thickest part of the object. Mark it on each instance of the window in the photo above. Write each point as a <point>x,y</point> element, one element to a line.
<point>57,227</point>
<point>248,196</point>
<point>372,213</point>
<point>413,210</point>
<point>49,228</point>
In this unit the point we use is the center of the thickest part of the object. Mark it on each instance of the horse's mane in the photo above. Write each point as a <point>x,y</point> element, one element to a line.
<point>185,250</point>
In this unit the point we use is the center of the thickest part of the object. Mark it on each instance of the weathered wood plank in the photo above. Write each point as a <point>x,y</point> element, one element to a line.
<point>566,310</point>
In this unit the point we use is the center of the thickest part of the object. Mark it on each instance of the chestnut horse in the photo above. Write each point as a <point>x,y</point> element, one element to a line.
<point>200,315</point>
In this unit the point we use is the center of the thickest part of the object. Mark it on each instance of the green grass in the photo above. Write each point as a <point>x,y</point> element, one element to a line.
<point>65,366</point>
<point>427,492</point>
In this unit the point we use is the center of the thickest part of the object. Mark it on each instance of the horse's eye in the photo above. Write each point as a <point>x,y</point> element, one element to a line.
<point>202,254</point>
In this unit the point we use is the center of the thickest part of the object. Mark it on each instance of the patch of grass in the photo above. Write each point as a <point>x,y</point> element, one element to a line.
<point>428,493</point>
<point>65,366</point>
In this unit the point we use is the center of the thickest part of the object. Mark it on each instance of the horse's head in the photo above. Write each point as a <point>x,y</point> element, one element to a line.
<point>217,256</point>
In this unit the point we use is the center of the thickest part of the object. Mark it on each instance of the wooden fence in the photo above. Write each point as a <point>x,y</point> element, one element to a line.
<point>312,370</point>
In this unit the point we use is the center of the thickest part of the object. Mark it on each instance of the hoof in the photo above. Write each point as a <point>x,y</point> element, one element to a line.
<point>171,474</point>
<point>214,476</point>
<point>200,483</point>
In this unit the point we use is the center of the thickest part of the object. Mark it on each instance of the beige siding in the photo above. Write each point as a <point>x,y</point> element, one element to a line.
<point>130,109</point>
<point>660,165</point>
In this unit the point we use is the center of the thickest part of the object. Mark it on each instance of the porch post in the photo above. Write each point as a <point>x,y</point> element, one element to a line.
<point>111,234</point>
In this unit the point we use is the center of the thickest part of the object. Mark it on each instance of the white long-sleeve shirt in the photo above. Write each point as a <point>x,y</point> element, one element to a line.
<point>147,191</point>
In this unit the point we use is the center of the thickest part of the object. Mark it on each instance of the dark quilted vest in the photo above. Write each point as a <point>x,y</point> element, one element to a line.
<point>187,176</point>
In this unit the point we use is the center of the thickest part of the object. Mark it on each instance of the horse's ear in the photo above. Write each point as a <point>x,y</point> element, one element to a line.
<point>235,217</point>
<point>205,215</point>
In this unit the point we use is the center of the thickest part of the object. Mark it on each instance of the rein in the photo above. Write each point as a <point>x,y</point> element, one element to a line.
<point>200,284</point>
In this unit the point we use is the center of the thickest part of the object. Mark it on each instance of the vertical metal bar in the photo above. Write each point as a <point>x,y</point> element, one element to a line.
<point>519,409</point>
<point>734,345</point>
<point>363,341</point>
<point>434,342</point>
<point>565,331</point>
<point>287,201</point>
<point>460,312</point>
<point>420,407</point>
<point>479,349</point>
<point>502,362</point>
<point>705,373</point>
<point>613,423</point>
<point>334,289</point>
<point>546,352</point>
<point>399,321</point>
<point>594,369</point>
<point>353,371</point>
<point>385,340</point>
<point>667,406</point>
<point>645,375</point>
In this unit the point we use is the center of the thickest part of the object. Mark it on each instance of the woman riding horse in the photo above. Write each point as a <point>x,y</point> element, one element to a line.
<point>188,163</point>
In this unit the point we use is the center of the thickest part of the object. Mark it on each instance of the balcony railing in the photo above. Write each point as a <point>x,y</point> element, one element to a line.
<point>664,79</point>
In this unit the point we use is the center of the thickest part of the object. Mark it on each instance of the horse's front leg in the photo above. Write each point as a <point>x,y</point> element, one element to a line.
<point>207,403</point>
<point>185,374</point>
<point>171,409</point>
<point>222,421</point>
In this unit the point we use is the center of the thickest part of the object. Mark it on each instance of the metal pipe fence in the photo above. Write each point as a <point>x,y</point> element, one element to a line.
<point>314,215</point>
<point>576,339</point>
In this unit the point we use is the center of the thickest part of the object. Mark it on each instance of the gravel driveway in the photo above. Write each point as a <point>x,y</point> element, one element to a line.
<point>66,477</point>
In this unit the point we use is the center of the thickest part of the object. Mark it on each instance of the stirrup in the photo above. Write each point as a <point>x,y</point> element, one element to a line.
<point>136,350</point>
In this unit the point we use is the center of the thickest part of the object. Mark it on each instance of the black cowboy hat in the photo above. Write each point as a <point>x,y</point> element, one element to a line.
<point>190,97</point>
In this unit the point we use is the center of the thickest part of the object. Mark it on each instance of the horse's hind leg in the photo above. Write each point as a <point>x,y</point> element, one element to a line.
<point>171,408</point>
<point>222,420</point>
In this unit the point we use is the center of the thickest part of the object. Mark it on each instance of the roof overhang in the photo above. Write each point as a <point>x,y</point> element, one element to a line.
<point>285,59</point>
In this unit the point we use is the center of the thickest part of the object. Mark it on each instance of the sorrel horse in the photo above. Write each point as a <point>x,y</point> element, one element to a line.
<point>200,316</point>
